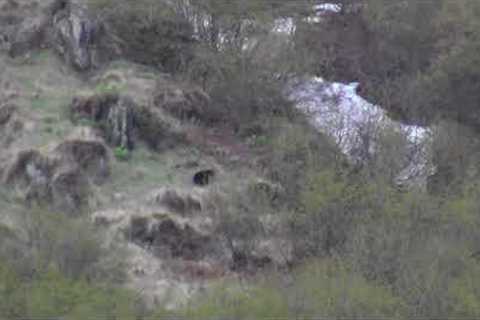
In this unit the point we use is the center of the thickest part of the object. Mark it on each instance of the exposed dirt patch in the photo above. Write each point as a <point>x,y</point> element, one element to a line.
<point>220,143</point>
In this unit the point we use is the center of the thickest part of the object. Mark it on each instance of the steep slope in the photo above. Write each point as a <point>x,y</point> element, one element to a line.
<point>119,146</point>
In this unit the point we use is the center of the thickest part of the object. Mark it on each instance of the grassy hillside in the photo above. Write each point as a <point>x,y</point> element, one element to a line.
<point>152,166</point>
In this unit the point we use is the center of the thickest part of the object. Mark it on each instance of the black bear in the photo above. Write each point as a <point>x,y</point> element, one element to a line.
<point>204,177</point>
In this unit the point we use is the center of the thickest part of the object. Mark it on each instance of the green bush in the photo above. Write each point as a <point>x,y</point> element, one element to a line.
<point>294,152</point>
<point>51,295</point>
<point>232,302</point>
<point>72,247</point>
<point>12,302</point>
<point>325,289</point>
<point>122,153</point>
<point>148,31</point>
<point>464,293</point>
<point>329,289</point>
<point>54,267</point>
<point>108,88</point>
<point>330,205</point>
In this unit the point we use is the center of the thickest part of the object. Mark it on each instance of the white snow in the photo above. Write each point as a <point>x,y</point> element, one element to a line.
<point>324,7</point>
<point>286,25</point>
<point>337,108</point>
<point>338,111</point>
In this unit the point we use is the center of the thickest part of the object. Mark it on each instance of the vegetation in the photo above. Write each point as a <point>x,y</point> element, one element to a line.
<point>51,295</point>
<point>362,246</point>
<point>122,153</point>
<point>60,268</point>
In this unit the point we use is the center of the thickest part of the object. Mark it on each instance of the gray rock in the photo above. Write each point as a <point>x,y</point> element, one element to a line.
<point>30,34</point>
<point>91,156</point>
<point>74,32</point>
<point>22,26</point>
<point>70,191</point>
<point>120,123</point>
<point>6,113</point>
<point>28,167</point>
<point>112,112</point>
<point>177,201</point>
<point>62,179</point>
<point>166,237</point>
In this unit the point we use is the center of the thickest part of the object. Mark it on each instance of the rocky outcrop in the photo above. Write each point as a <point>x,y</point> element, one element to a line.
<point>112,112</point>
<point>30,34</point>
<point>167,237</point>
<point>122,120</point>
<point>120,123</point>
<point>67,26</point>
<point>177,201</point>
<point>60,179</point>
<point>70,190</point>
<point>138,85</point>
<point>31,171</point>
<point>90,155</point>
<point>75,33</point>
<point>22,26</point>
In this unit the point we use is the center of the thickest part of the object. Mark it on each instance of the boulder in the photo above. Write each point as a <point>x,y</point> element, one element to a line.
<point>23,26</point>
<point>29,167</point>
<point>181,203</point>
<point>62,178</point>
<point>74,34</point>
<point>30,172</point>
<point>177,201</point>
<point>29,35</point>
<point>167,237</point>
<point>67,26</point>
<point>121,120</point>
<point>70,190</point>
<point>91,156</point>
<point>120,123</point>
<point>112,112</point>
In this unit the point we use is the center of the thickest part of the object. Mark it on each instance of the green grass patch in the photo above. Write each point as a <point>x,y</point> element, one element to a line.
<point>41,103</point>
<point>40,56</point>
<point>121,153</point>
<point>109,88</point>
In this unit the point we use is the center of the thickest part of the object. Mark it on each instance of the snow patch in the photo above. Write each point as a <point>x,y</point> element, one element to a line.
<point>338,111</point>
<point>327,7</point>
